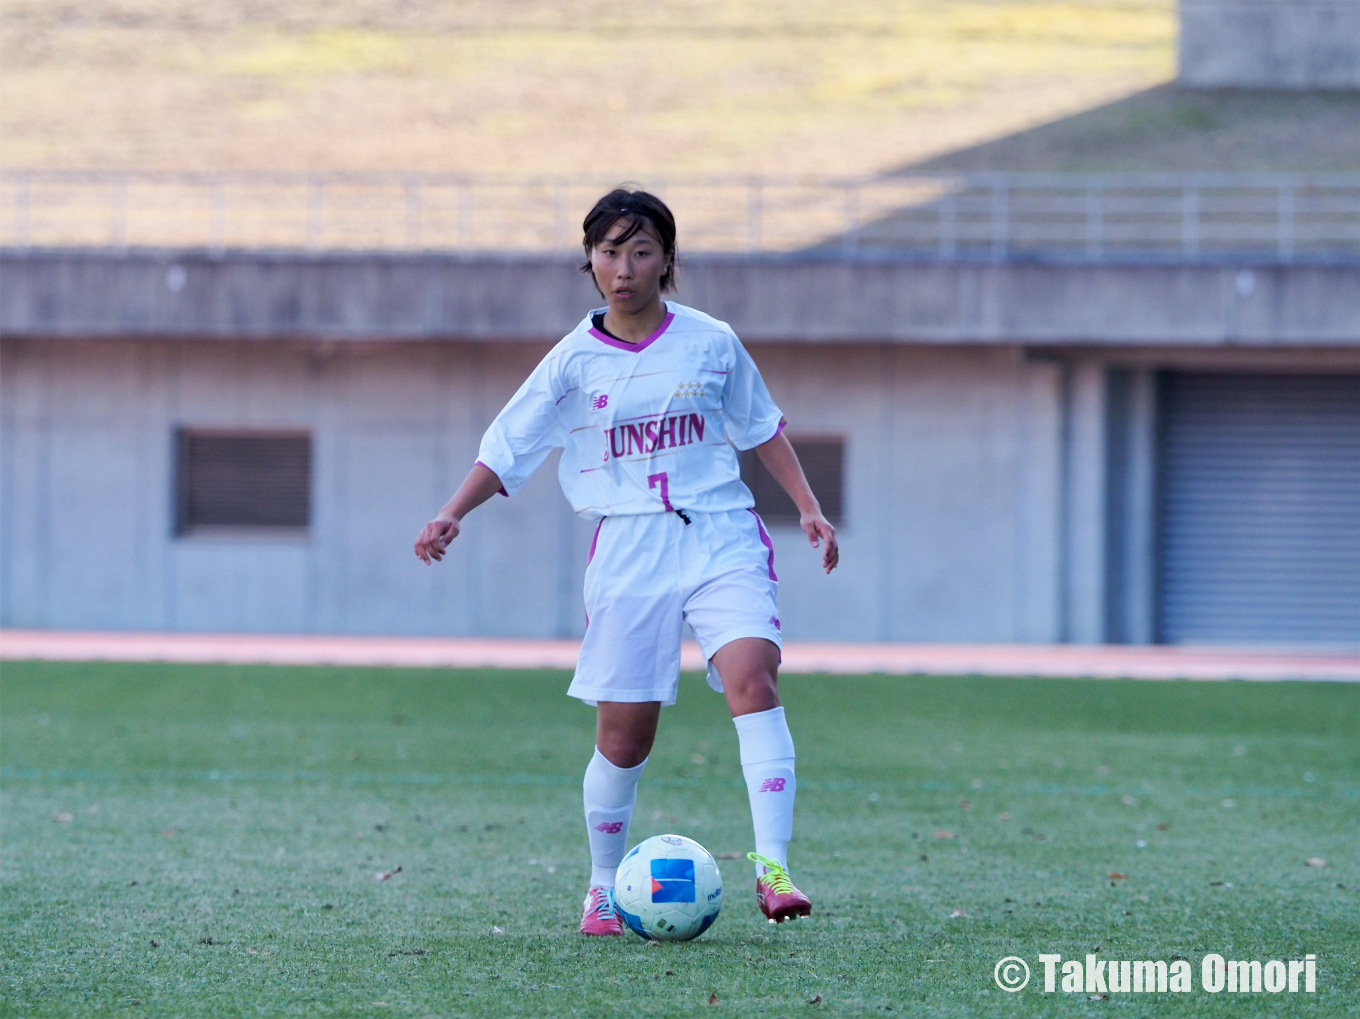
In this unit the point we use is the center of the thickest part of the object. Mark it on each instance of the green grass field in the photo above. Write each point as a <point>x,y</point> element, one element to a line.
<point>203,841</point>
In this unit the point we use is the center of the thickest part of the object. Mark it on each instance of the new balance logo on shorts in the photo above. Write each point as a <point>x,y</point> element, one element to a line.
<point>772,785</point>
<point>610,827</point>
<point>774,621</point>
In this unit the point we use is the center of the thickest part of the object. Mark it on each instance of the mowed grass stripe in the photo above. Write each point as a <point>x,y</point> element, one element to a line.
<point>1011,800</point>
<point>110,776</point>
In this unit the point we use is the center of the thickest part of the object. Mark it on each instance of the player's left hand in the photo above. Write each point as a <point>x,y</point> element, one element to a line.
<point>820,532</point>
<point>435,538</point>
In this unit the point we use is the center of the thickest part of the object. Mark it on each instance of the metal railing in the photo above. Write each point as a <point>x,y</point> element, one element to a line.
<point>1088,217</point>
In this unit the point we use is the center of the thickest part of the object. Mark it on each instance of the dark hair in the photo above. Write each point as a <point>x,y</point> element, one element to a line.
<point>643,208</point>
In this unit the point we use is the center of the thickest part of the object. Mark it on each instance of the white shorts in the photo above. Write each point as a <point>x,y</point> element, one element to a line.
<point>649,574</point>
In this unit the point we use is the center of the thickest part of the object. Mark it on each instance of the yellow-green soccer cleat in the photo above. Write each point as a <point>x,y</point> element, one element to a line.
<point>775,894</point>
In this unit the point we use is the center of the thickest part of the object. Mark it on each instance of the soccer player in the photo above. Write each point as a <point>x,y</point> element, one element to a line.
<point>650,402</point>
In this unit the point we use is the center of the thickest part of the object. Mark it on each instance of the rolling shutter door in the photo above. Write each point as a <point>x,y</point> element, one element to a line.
<point>1260,509</point>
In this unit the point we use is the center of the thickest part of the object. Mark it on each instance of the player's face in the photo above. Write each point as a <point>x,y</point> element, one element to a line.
<point>629,272</point>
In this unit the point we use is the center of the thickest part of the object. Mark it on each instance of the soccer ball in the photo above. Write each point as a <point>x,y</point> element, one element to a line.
<point>668,889</point>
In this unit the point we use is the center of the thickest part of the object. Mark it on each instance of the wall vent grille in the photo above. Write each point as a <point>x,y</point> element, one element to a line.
<point>255,480</point>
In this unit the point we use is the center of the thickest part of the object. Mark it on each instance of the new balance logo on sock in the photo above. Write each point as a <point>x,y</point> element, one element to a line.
<point>614,827</point>
<point>772,785</point>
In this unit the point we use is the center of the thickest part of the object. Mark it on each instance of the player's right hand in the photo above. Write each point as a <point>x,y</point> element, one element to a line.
<point>435,538</point>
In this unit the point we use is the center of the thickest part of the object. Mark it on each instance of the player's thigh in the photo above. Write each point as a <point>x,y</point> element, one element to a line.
<point>736,605</point>
<point>749,667</point>
<point>631,650</point>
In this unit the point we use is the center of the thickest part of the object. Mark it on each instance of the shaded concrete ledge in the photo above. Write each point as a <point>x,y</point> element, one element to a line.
<point>279,295</point>
<point>1075,661</point>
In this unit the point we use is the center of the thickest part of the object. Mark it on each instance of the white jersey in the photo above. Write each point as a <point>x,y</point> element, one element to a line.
<point>644,427</point>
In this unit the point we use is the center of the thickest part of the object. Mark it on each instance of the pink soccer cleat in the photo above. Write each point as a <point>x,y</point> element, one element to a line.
<point>601,917</point>
<point>775,894</point>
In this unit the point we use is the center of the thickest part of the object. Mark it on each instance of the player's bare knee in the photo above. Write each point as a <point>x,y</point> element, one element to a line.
<point>754,682</point>
<point>625,746</point>
<point>748,691</point>
<point>623,750</point>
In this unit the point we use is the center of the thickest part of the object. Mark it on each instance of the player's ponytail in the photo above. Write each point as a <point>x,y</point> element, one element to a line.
<point>642,207</point>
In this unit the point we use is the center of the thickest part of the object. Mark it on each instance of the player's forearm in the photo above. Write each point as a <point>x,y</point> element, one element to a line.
<point>480,485</point>
<point>782,462</point>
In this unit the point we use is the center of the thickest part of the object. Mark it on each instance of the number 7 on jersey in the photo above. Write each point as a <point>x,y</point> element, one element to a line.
<point>655,480</point>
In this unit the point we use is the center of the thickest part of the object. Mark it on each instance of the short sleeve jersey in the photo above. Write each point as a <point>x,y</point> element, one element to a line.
<point>644,427</point>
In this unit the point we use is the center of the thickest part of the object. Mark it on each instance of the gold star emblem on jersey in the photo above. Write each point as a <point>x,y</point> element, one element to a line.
<point>689,390</point>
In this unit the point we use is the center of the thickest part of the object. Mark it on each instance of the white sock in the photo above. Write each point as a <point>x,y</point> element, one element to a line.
<point>767,763</point>
<point>609,793</point>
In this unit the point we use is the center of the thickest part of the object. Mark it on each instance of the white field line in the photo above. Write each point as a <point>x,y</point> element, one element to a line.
<point>1094,661</point>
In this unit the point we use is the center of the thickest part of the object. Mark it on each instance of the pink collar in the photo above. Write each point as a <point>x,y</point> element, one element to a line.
<point>641,344</point>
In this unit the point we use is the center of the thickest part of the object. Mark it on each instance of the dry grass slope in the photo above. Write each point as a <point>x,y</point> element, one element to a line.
<point>704,86</point>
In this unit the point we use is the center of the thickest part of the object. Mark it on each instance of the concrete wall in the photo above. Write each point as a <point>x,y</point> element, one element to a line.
<point>999,425</point>
<point>88,474</point>
<point>1291,44</point>
<point>953,477</point>
<point>394,296</point>
<point>992,493</point>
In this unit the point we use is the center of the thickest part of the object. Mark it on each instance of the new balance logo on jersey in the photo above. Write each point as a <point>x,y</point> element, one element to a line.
<point>610,827</point>
<point>774,621</point>
<point>649,436</point>
<point>772,785</point>
<point>600,402</point>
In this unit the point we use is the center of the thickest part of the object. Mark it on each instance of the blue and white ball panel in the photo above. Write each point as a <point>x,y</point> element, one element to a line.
<point>634,923</point>
<point>669,889</point>
<point>672,880</point>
